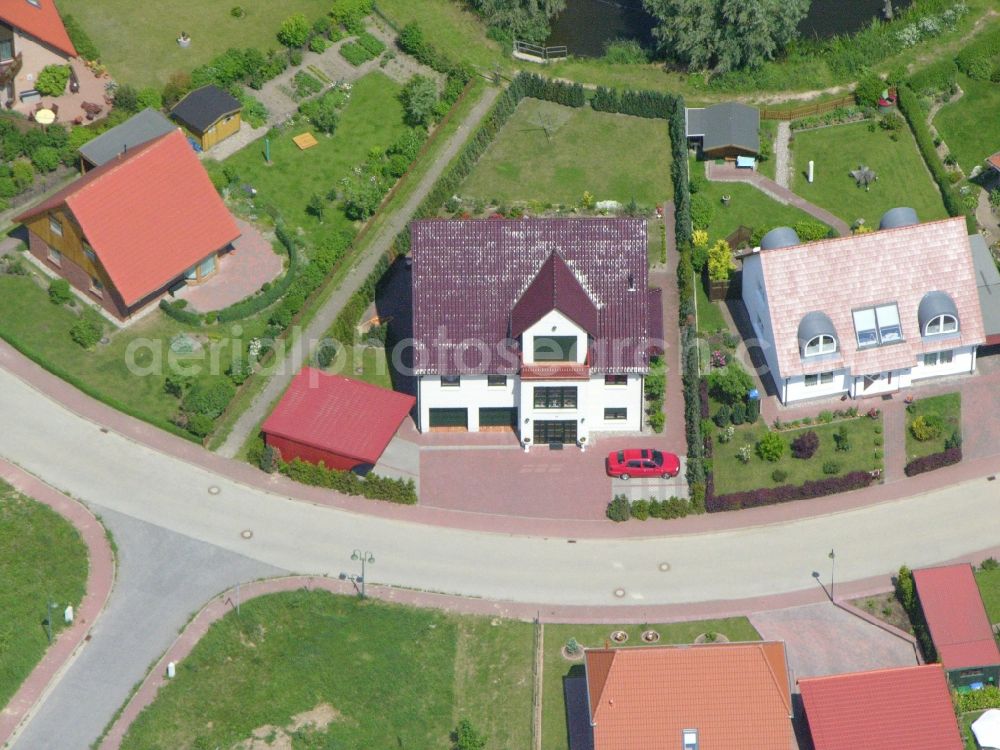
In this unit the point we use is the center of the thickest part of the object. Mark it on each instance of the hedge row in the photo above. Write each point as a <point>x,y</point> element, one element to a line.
<point>81,40</point>
<point>786,493</point>
<point>180,314</point>
<point>910,107</point>
<point>344,328</point>
<point>411,41</point>
<point>939,76</point>
<point>86,388</point>
<point>679,177</point>
<point>906,593</point>
<point>692,409</point>
<point>652,104</point>
<point>620,509</point>
<point>372,486</point>
<point>933,461</point>
<point>979,59</point>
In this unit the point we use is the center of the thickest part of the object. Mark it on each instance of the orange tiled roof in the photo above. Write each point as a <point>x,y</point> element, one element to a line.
<point>837,276</point>
<point>41,21</point>
<point>907,707</point>
<point>149,215</point>
<point>735,695</point>
<point>994,160</point>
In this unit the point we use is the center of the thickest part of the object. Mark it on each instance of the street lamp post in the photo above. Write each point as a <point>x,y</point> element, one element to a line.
<point>833,565</point>
<point>365,558</point>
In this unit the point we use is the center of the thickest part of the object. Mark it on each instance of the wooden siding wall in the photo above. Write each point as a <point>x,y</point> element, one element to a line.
<point>220,131</point>
<point>71,244</point>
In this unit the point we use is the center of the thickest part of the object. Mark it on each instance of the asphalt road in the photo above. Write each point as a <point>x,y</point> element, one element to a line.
<point>109,471</point>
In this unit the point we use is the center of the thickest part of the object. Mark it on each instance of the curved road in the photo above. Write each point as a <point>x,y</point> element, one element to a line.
<point>110,471</point>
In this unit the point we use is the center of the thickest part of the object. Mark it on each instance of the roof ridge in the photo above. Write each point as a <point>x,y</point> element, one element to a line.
<point>823,241</point>
<point>120,161</point>
<point>867,672</point>
<point>607,678</point>
<point>786,697</point>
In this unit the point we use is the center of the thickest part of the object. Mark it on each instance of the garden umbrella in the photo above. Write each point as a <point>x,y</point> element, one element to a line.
<point>987,729</point>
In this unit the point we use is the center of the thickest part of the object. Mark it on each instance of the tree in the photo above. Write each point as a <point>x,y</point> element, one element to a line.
<point>724,35</point>
<point>127,98</point>
<point>730,384</point>
<point>294,31</point>
<point>720,261</point>
<point>518,19</point>
<point>419,96</point>
<point>466,737</point>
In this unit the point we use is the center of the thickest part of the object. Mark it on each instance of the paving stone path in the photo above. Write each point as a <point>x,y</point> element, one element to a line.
<point>782,155</point>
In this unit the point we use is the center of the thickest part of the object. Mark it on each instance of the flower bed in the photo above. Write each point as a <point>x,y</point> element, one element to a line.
<point>773,495</point>
<point>933,426</point>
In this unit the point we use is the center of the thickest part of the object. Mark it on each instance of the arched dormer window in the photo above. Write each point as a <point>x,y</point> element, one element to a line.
<point>817,336</point>
<point>822,344</point>
<point>937,314</point>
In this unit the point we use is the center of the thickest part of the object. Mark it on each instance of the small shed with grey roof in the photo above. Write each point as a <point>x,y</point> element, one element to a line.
<point>988,286</point>
<point>135,131</point>
<point>210,114</point>
<point>724,130</point>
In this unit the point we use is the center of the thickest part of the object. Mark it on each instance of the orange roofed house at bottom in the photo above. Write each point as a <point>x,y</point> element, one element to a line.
<point>715,696</point>
<point>129,230</point>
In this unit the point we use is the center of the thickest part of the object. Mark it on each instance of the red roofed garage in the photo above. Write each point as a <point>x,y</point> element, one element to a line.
<point>343,423</point>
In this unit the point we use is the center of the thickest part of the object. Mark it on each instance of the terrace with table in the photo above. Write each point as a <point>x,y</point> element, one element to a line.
<point>84,99</point>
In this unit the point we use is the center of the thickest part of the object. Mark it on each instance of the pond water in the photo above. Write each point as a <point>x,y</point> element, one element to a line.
<point>586,25</point>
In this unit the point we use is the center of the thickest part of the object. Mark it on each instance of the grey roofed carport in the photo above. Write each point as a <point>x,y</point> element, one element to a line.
<point>988,285</point>
<point>135,131</point>
<point>721,125</point>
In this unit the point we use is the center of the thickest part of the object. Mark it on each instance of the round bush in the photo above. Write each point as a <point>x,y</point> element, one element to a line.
<point>640,510</point>
<point>86,332</point>
<point>805,445</point>
<point>779,475</point>
<point>209,399</point>
<point>771,447</point>
<point>926,427</point>
<point>831,467</point>
<point>59,292</point>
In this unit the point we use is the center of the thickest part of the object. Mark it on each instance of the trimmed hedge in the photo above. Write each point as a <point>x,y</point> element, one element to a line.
<point>81,40</point>
<point>344,328</point>
<point>652,104</point>
<point>253,305</point>
<point>187,317</point>
<point>939,76</point>
<point>620,509</point>
<point>680,178</point>
<point>933,461</point>
<point>906,593</point>
<point>910,107</point>
<point>372,486</point>
<point>978,59</point>
<point>786,493</point>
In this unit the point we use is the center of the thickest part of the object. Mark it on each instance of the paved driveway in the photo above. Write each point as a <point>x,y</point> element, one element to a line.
<point>822,639</point>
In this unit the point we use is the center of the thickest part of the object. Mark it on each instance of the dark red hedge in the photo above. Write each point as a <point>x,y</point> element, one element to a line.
<point>786,493</point>
<point>933,461</point>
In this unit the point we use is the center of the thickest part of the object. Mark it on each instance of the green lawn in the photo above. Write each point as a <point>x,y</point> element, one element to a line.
<point>768,132</point>
<point>946,408</point>
<point>373,365</point>
<point>732,475</point>
<point>747,206</point>
<point>394,677</point>
<point>132,368</point>
<point>710,317</point>
<point>615,157</point>
<point>556,667</point>
<point>138,41</point>
<point>970,126</point>
<point>989,587</point>
<point>42,560</point>
<point>903,179</point>
<point>373,117</point>
<point>965,726</point>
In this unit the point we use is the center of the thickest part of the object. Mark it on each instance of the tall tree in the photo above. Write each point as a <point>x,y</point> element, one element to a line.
<point>724,35</point>
<point>518,19</point>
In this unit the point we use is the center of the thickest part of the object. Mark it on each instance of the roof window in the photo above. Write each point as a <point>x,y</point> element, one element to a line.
<point>876,326</point>
<point>690,739</point>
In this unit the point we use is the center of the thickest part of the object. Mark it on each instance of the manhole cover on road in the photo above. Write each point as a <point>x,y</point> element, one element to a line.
<point>214,490</point>
<point>619,593</point>
<point>247,533</point>
<point>664,567</point>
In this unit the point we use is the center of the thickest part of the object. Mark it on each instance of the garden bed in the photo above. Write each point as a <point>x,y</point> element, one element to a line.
<point>938,418</point>
<point>970,126</point>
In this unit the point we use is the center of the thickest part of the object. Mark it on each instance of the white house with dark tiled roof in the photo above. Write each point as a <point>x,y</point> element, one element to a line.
<point>540,326</point>
<point>868,314</point>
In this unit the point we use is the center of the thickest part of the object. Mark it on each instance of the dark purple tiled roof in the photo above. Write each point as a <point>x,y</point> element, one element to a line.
<point>468,276</point>
<point>554,288</point>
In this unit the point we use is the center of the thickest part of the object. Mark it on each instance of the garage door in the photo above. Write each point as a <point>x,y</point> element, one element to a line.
<point>456,419</point>
<point>498,417</point>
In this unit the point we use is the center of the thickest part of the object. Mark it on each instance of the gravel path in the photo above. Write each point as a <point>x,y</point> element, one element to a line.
<point>298,352</point>
<point>782,155</point>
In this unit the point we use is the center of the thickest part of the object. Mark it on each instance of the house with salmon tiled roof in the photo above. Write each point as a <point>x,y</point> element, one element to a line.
<point>32,36</point>
<point>126,232</point>
<point>700,697</point>
<point>540,326</point>
<point>868,314</point>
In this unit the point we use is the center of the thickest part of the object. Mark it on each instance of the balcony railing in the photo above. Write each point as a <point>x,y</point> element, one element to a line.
<point>555,370</point>
<point>10,69</point>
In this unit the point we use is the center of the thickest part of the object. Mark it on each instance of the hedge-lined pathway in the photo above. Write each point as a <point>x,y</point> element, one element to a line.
<point>69,642</point>
<point>771,188</point>
<point>377,248</point>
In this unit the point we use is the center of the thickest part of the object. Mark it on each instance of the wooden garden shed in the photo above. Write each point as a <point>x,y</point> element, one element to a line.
<point>209,114</point>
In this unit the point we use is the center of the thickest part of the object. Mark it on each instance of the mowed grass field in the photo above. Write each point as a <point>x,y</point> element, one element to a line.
<point>375,675</point>
<point>138,40</point>
<point>42,560</point>
<point>372,117</point>
<point>970,126</point>
<point>556,667</point>
<point>552,154</point>
<point>903,179</point>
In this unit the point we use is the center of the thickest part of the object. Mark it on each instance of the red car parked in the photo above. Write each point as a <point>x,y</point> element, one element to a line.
<point>639,462</point>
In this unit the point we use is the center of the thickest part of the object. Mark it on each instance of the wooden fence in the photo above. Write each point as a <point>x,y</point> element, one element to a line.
<point>807,110</point>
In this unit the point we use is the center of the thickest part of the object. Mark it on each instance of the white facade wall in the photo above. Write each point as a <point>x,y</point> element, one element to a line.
<point>553,323</point>
<point>795,388</point>
<point>755,301</point>
<point>35,56</point>
<point>628,396</point>
<point>471,393</point>
<point>963,361</point>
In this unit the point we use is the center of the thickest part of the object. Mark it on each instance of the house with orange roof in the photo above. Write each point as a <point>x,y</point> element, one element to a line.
<point>865,315</point>
<point>905,707</point>
<point>32,36</point>
<point>702,697</point>
<point>141,224</point>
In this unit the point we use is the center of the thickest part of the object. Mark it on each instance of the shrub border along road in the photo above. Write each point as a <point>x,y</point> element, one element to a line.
<point>100,580</point>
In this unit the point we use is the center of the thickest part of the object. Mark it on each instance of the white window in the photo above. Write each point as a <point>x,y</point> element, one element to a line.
<point>822,378</point>
<point>941,324</point>
<point>938,358</point>
<point>96,286</point>
<point>877,325</point>
<point>55,226</point>
<point>55,256</point>
<point>821,344</point>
